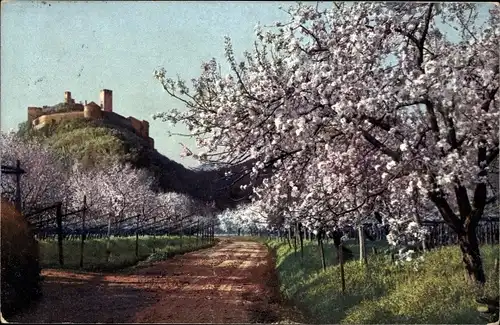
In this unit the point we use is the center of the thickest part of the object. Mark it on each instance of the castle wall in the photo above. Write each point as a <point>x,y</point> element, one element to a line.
<point>145,125</point>
<point>56,118</point>
<point>151,142</point>
<point>137,125</point>
<point>117,119</point>
<point>76,107</point>
<point>33,113</point>
<point>37,117</point>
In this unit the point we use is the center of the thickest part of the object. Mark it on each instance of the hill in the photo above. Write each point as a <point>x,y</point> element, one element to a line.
<point>97,142</point>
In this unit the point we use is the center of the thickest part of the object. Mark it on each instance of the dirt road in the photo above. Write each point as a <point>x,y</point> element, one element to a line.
<point>232,282</point>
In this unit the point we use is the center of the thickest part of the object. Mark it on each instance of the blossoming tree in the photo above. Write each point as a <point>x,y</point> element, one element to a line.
<point>44,182</point>
<point>357,108</point>
<point>247,217</point>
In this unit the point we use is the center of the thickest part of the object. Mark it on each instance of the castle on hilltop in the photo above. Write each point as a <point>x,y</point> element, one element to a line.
<point>39,117</point>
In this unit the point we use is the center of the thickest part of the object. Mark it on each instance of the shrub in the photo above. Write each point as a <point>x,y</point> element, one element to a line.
<point>20,276</point>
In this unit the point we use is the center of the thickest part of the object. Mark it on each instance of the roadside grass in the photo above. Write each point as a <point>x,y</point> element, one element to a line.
<point>122,251</point>
<point>245,238</point>
<point>434,292</point>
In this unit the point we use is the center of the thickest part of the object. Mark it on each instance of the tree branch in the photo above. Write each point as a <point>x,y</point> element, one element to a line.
<point>396,156</point>
<point>432,119</point>
<point>421,42</point>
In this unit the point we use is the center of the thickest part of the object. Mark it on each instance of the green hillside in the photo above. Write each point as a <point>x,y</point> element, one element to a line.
<point>90,142</point>
<point>99,142</point>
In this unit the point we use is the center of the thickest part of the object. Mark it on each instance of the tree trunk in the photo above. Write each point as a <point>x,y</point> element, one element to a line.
<point>337,237</point>
<point>465,228</point>
<point>295,240</point>
<point>472,257</point>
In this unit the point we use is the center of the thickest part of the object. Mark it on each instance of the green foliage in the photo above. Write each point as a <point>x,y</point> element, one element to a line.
<point>24,131</point>
<point>91,145</point>
<point>122,251</point>
<point>84,140</point>
<point>63,107</point>
<point>172,250</point>
<point>382,292</point>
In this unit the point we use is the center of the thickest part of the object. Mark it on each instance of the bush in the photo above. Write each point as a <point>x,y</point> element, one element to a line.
<point>20,277</point>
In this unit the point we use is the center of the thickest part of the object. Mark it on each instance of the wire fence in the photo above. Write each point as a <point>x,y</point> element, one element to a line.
<point>438,233</point>
<point>50,222</point>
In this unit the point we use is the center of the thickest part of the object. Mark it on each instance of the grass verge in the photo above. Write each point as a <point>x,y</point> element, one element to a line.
<point>122,252</point>
<point>431,292</point>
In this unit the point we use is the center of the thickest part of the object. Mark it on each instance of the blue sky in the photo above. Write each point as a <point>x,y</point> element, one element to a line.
<point>84,47</point>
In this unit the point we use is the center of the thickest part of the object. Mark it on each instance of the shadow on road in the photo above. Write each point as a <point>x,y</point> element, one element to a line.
<point>233,282</point>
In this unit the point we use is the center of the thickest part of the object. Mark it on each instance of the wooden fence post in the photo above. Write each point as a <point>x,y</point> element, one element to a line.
<point>497,268</point>
<point>362,247</point>
<point>137,234</point>
<point>181,232</point>
<point>59,233</point>
<point>83,230</point>
<point>202,232</point>
<point>341,258</point>
<point>154,234</point>
<point>108,239</point>
<point>197,231</point>
<point>322,250</point>
<point>210,232</point>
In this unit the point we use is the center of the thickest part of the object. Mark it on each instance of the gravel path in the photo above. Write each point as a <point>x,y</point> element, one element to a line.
<point>232,282</point>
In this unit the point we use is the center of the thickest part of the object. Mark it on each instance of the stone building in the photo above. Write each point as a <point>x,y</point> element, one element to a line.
<point>38,117</point>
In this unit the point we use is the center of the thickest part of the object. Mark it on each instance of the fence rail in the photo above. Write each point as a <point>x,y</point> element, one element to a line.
<point>438,232</point>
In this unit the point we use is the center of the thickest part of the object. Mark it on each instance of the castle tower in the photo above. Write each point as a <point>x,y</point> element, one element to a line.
<point>107,100</point>
<point>92,110</point>
<point>67,97</point>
